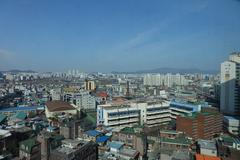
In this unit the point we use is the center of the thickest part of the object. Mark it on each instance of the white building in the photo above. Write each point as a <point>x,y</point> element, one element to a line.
<point>167,80</point>
<point>230,85</point>
<point>149,113</point>
<point>84,100</point>
<point>207,147</point>
<point>232,124</point>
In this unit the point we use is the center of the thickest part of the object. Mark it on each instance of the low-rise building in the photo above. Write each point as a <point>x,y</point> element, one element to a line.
<point>207,147</point>
<point>133,138</point>
<point>30,149</point>
<point>75,149</point>
<point>232,124</point>
<point>58,108</point>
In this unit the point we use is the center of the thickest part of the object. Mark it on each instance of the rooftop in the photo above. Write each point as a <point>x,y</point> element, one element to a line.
<point>25,108</point>
<point>237,118</point>
<point>203,157</point>
<point>2,118</point>
<point>102,139</point>
<point>58,106</point>
<point>207,144</point>
<point>93,133</point>
<point>179,141</point>
<point>115,144</point>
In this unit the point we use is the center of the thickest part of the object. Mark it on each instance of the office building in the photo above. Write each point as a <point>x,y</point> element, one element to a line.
<point>202,125</point>
<point>230,85</point>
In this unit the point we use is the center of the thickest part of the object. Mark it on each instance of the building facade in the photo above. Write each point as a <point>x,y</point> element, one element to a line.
<point>202,125</point>
<point>230,85</point>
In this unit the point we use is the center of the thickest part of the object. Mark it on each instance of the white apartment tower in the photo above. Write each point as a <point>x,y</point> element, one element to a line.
<point>230,85</point>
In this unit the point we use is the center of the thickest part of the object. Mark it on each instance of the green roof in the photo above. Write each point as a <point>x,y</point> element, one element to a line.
<point>179,141</point>
<point>169,131</point>
<point>21,115</point>
<point>2,118</point>
<point>28,144</point>
<point>128,130</point>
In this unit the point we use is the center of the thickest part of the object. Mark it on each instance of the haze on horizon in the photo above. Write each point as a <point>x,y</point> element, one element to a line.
<point>121,35</point>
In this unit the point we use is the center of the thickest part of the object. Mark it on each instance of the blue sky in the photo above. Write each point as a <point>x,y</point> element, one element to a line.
<point>117,35</point>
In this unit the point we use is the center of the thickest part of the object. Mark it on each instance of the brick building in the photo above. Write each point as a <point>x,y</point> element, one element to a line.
<point>202,125</point>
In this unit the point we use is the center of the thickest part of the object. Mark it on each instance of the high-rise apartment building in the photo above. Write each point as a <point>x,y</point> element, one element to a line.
<point>165,80</point>
<point>230,85</point>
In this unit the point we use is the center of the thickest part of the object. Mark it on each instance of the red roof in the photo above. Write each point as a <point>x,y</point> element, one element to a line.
<point>204,157</point>
<point>102,94</point>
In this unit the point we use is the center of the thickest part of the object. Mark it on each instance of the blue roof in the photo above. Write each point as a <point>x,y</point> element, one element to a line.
<point>191,107</point>
<point>116,145</point>
<point>25,108</point>
<point>102,139</point>
<point>93,133</point>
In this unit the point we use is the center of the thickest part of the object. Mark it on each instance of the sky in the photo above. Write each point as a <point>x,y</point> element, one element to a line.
<point>117,35</point>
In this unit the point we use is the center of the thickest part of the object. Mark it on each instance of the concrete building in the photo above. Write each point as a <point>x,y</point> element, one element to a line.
<point>181,108</point>
<point>132,137</point>
<point>89,85</point>
<point>75,150</point>
<point>230,85</point>
<point>207,147</point>
<point>49,142</point>
<point>70,130</point>
<point>232,125</point>
<point>81,98</point>
<point>30,149</point>
<point>84,100</point>
<point>164,80</point>
<point>149,113</point>
<point>200,125</point>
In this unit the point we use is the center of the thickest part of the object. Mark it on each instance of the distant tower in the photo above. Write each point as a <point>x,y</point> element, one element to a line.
<point>128,90</point>
<point>90,85</point>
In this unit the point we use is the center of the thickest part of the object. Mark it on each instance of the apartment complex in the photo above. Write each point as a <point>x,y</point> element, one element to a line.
<point>230,85</point>
<point>202,125</point>
<point>164,80</point>
<point>82,99</point>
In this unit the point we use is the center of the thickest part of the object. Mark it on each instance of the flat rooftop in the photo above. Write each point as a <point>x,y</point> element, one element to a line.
<point>207,144</point>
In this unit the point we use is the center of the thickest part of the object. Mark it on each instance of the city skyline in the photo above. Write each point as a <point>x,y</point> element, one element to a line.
<point>117,36</point>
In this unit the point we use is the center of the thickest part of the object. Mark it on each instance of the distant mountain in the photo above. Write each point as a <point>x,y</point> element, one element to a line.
<point>20,71</point>
<point>174,71</point>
